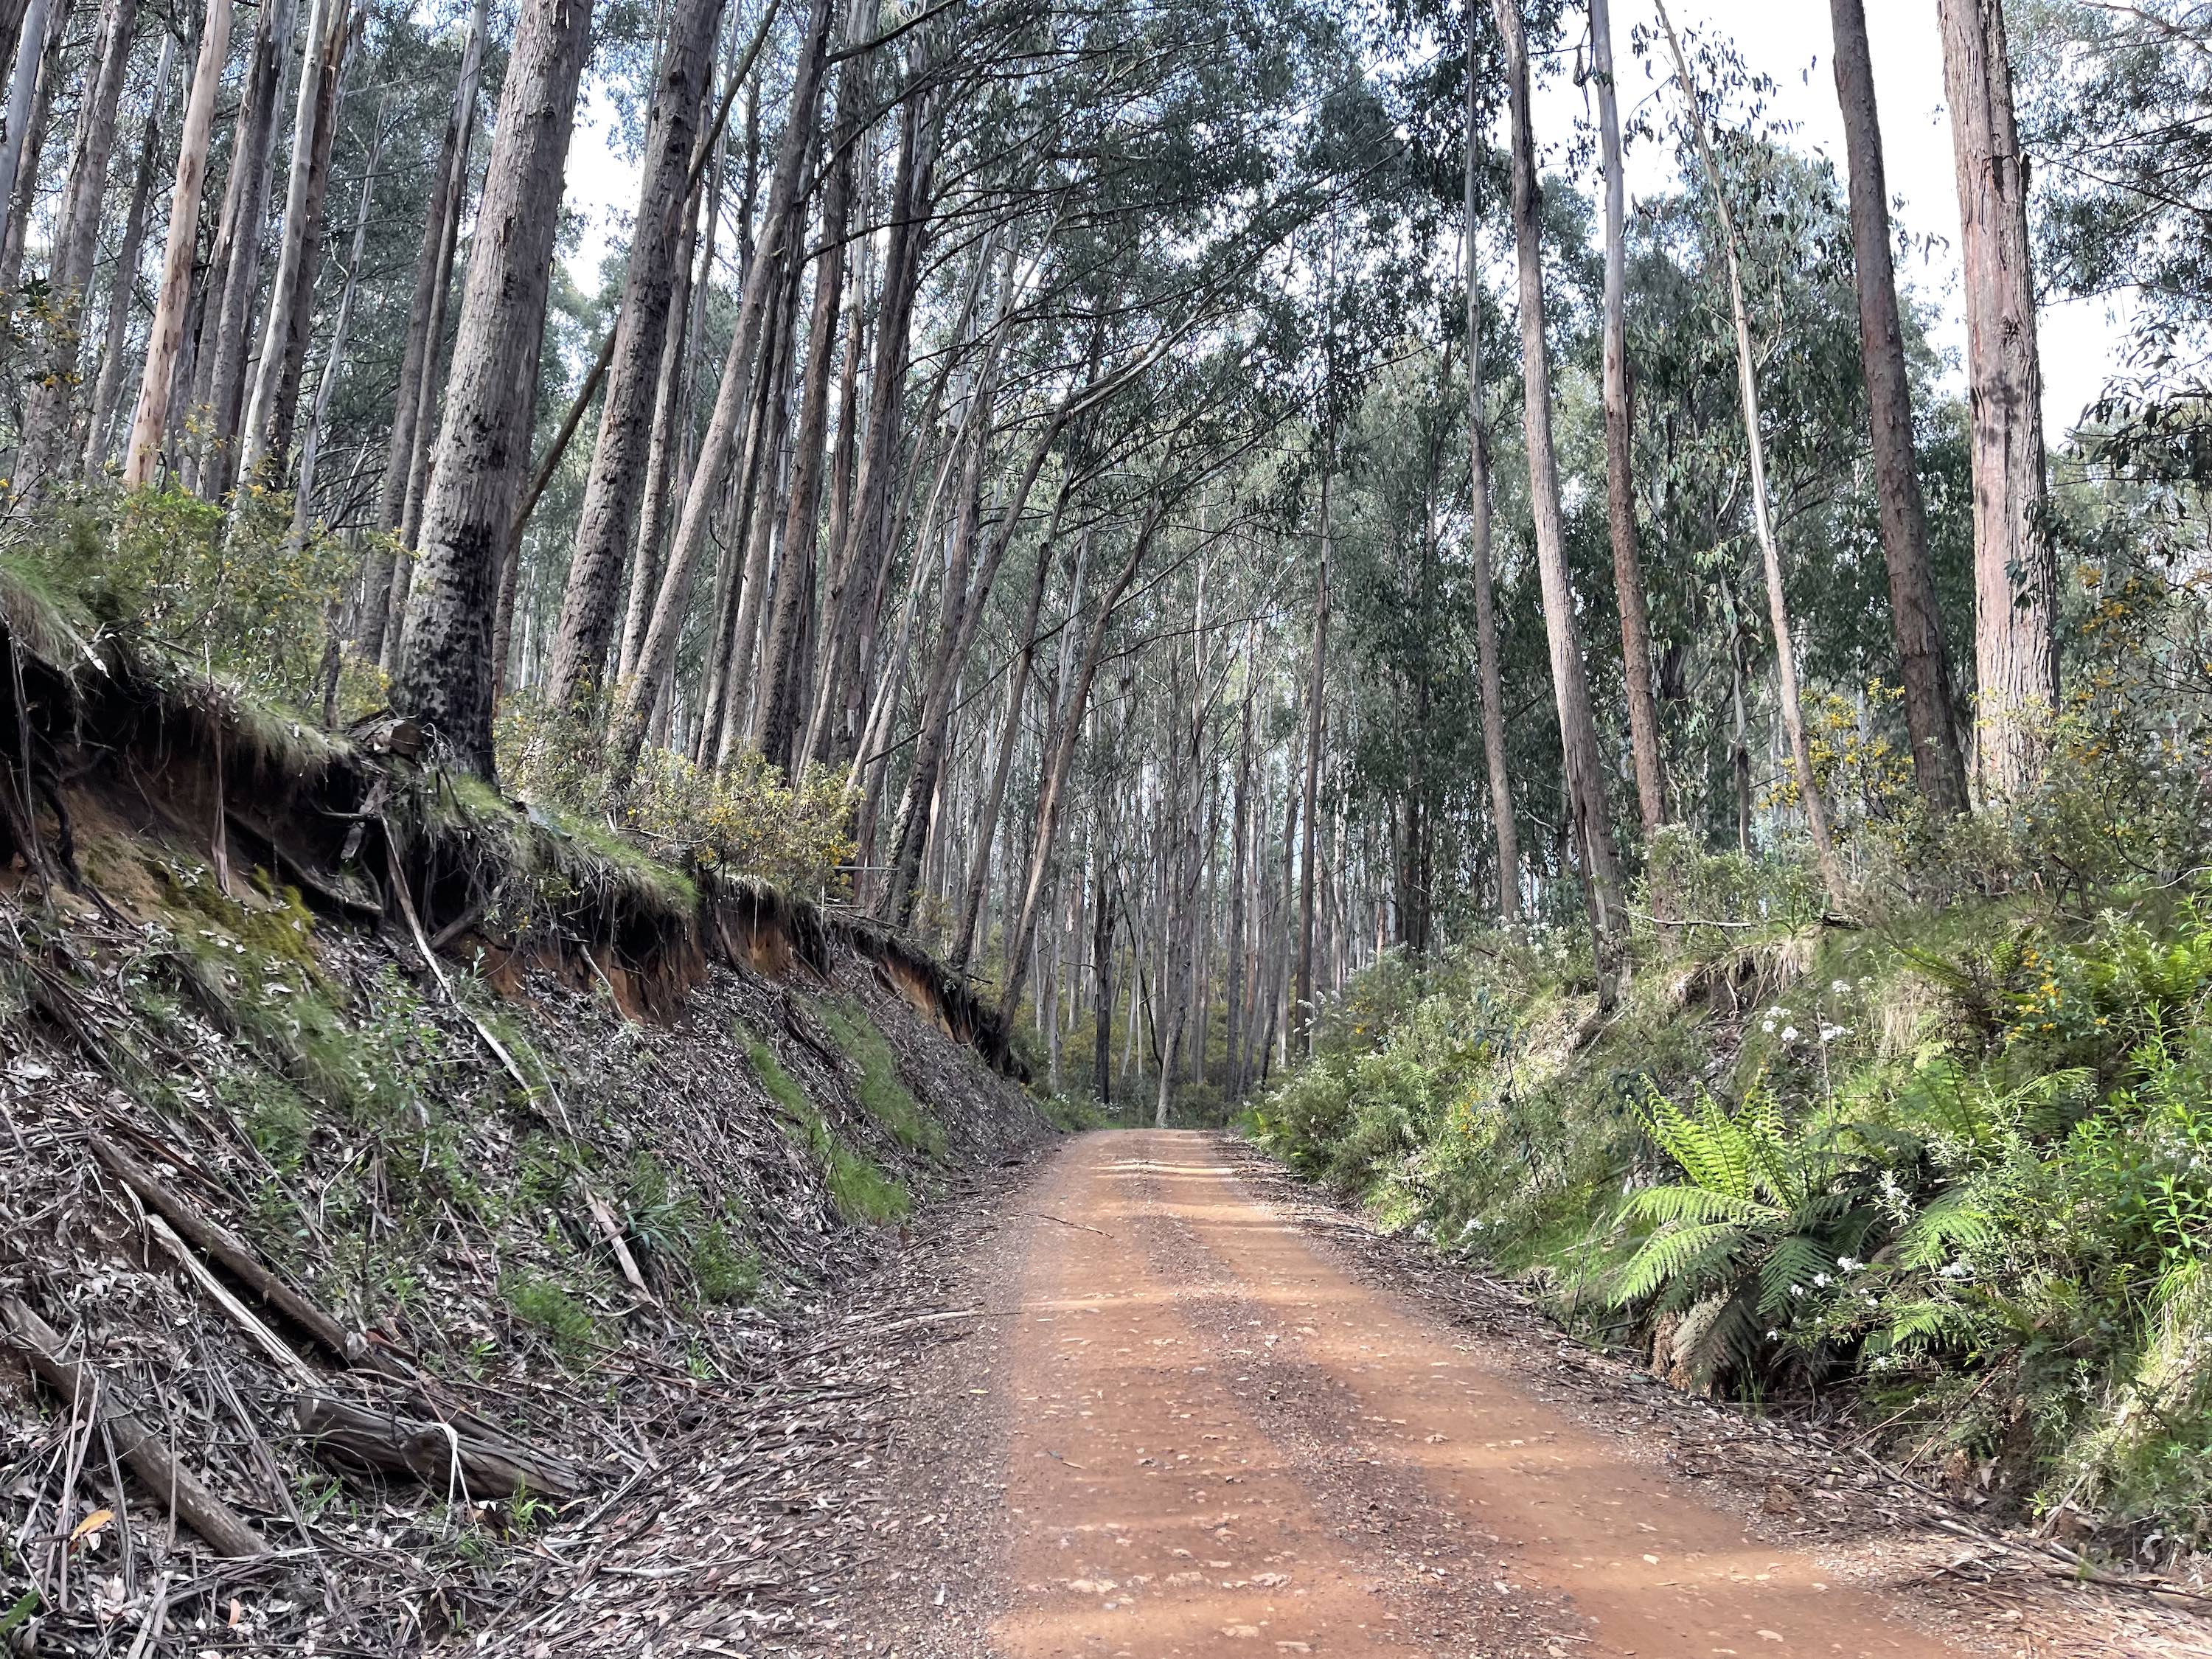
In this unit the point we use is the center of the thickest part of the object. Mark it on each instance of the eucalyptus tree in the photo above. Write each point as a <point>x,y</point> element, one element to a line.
<point>2016,571</point>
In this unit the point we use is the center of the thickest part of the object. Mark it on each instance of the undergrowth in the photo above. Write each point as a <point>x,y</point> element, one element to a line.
<point>862,1191</point>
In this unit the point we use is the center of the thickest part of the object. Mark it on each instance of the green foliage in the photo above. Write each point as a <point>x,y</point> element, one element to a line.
<point>725,1263</point>
<point>220,586</point>
<point>1961,1170</point>
<point>542,1301</point>
<point>741,818</point>
<point>882,1092</point>
<point>861,1189</point>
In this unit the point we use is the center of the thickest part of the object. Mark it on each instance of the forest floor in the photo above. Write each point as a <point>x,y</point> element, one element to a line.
<point>1165,1401</point>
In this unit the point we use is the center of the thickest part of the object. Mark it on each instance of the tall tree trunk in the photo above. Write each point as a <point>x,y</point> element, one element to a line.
<point>1054,781</point>
<point>416,475</point>
<point>777,699</point>
<point>1777,604</point>
<point>1620,450</point>
<point>149,426</point>
<point>963,609</point>
<point>1010,731</point>
<point>1922,660</point>
<point>376,605</point>
<point>732,400</point>
<point>108,390</point>
<point>862,557</point>
<point>1102,965</point>
<point>1569,675</point>
<point>234,268</point>
<point>311,446</point>
<point>2015,573</point>
<point>1487,668</point>
<point>1302,1014</point>
<point>271,410</point>
<point>446,672</point>
<point>47,425</point>
<point>13,16</point>
<point>671,409</point>
<point>755,527</point>
<point>608,521</point>
<point>1239,836</point>
<point>25,138</point>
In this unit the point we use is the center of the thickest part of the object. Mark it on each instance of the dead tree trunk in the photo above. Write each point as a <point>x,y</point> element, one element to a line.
<point>1924,662</point>
<point>446,672</point>
<point>149,426</point>
<point>608,523</point>
<point>2016,575</point>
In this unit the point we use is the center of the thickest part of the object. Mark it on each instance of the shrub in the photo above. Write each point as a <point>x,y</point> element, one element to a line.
<point>539,1301</point>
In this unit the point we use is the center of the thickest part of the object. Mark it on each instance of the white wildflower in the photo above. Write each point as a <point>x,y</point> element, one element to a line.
<point>1767,1026</point>
<point>1822,1281</point>
<point>1789,1034</point>
<point>1849,1264</point>
<point>1839,986</point>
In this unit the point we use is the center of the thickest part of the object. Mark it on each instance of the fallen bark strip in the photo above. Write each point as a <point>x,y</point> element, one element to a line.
<point>82,1388</point>
<point>435,1453</point>
<point>278,1351</point>
<point>226,1247</point>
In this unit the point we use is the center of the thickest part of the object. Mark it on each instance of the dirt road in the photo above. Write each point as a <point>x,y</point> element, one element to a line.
<point>1213,1439</point>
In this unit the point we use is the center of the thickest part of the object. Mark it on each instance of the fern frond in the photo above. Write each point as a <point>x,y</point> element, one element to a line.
<point>1789,1272</point>
<point>1696,1205</point>
<point>1956,1219</point>
<point>1670,1254</point>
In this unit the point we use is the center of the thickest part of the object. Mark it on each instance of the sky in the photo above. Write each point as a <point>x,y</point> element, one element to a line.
<point>1785,39</point>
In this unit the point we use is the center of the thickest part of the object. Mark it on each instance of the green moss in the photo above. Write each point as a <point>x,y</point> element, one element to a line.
<point>860,1188</point>
<point>882,1092</point>
<point>778,1082</point>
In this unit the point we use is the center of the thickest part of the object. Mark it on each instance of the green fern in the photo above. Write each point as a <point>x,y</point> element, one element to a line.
<point>1752,1236</point>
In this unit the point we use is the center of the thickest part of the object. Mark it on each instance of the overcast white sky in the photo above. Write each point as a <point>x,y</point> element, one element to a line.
<point>1786,39</point>
<point>1789,40</point>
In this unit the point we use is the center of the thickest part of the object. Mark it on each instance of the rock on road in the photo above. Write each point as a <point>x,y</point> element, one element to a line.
<point>1203,1435</point>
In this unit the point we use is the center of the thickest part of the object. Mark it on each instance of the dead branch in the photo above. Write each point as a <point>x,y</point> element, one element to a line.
<point>229,1251</point>
<point>440,1454</point>
<point>138,1445</point>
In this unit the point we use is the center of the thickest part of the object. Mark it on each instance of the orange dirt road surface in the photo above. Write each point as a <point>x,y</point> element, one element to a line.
<point>1217,1442</point>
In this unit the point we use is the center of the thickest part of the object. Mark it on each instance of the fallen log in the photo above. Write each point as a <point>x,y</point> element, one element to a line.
<point>82,1388</point>
<point>446,1456</point>
<point>226,1247</point>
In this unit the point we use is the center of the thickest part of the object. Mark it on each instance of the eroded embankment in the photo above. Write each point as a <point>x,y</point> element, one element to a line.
<point>397,1178</point>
